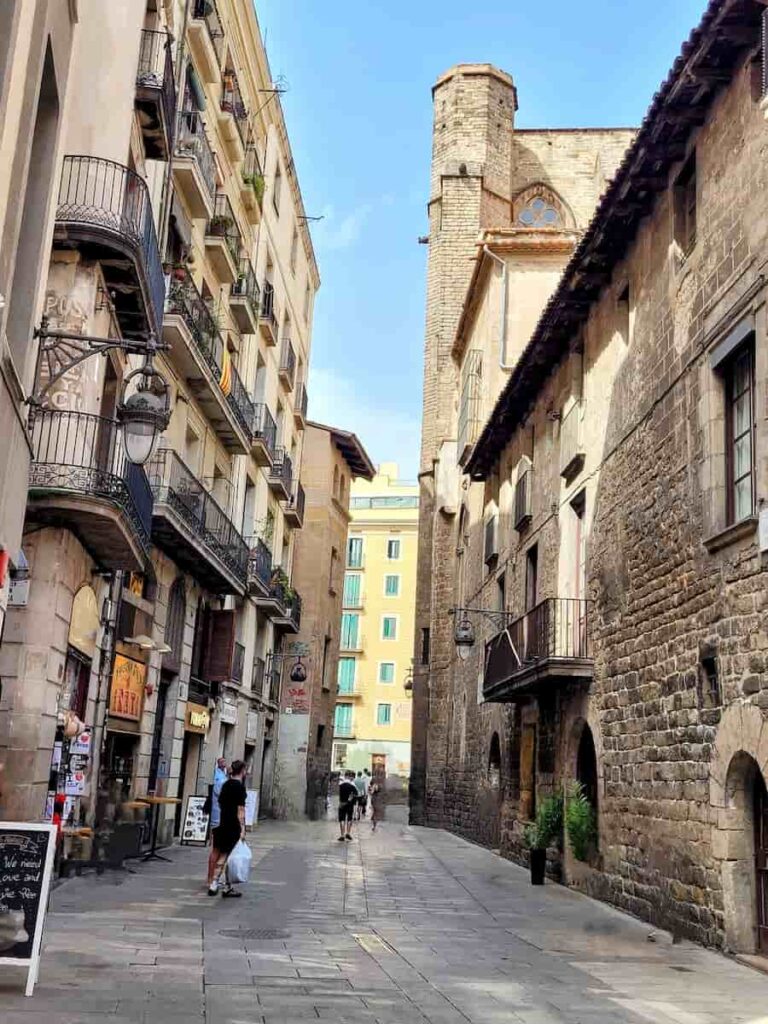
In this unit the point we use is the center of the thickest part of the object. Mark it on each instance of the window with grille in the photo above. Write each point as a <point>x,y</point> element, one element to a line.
<point>469,404</point>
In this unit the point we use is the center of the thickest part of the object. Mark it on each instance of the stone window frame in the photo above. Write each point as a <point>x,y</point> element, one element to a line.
<point>539,191</point>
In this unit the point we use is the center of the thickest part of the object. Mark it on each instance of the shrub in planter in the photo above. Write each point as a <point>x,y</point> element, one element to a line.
<point>580,822</point>
<point>541,833</point>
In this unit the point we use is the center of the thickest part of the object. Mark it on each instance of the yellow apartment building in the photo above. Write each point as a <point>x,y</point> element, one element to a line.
<point>372,727</point>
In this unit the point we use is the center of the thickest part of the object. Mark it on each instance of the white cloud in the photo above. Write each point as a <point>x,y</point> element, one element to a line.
<point>387,435</point>
<point>332,234</point>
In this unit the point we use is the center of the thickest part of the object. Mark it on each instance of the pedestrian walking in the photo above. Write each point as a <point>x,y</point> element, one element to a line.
<point>347,802</point>
<point>377,804</point>
<point>220,776</point>
<point>231,827</point>
<point>362,796</point>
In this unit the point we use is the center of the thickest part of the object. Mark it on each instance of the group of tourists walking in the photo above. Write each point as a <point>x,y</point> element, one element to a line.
<point>356,792</point>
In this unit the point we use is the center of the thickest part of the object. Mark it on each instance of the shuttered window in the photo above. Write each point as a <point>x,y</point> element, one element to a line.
<point>220,646</point>
<point>346,675</point>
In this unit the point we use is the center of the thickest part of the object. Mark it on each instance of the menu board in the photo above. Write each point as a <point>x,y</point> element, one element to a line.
<point>26,865</point>
<point>194,828</point>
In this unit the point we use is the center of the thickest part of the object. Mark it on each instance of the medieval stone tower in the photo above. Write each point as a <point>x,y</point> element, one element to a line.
<point>474,108</point>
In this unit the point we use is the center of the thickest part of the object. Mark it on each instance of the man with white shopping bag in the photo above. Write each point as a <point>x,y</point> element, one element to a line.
<point>229,835</point>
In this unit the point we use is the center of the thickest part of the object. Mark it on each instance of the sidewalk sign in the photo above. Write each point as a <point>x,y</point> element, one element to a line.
<point>26,866</point>
<point>251,807</point>
<point>195,826</point>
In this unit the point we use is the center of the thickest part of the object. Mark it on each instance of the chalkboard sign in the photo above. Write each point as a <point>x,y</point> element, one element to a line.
<point>195,826</point>
<point>26,864</point>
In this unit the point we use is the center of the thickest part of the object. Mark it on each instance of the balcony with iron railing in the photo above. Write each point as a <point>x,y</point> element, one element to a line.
<point>274,671</point>
<point>233,116</point>
<point>548,646</point>
<point>259,567</point>
<point>206,38</point>
<point>300,406</point>
<point>192,528</point>
<point>267,317</point>
<point>523,497</point>
<point>197,350</point>
<point>257,676</point>
<point>194,165</point>
<point>156,94</point>
<point>288,616</point>
<point>81,479</point>
<point>199,691</point>
<point>223,240</point>
<point>245,298</point>
<point>105,213</point>
<point>263,435</point>
<point>252,183</point>
<point>294,507</point>
<point>572,451</point>
<point>287,368</point>
<point>281,474</point>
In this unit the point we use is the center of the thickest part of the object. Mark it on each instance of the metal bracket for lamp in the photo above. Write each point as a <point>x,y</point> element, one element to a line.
<point>464,631</point>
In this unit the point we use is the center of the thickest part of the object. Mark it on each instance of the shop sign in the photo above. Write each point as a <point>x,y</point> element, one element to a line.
<point>126,696</point>
<point>228,713</point>
<point>196,821</point>
<point>198,719</point>
<point>252,726</point>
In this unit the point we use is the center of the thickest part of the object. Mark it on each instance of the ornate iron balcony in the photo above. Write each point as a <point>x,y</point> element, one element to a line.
<point>281,473</point>
<point>287,369</point>
<point>208,11</point>
<point>259,566</point>
<point>156,94</point>
<point>294,509</point>
<point>104,210</point>
<point>186,301</point>
<point>224,225</point>
<point>240,402</point>
<point>192,142</point>
<point>264,428</point>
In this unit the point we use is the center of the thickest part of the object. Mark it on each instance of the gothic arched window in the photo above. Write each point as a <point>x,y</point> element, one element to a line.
<point>539,213</point>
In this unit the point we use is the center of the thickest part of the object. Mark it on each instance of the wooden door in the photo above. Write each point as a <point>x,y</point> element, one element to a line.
<point>761,862</point>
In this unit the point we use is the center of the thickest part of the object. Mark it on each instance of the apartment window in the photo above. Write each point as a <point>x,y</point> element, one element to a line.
<point>392,586</point>
<point>386,672</point>
<point>393,550</point>
<point>531,577</point>
<point>351,597</point>
<point>277,185</point>
<point>350,631</point>
<point>294,250</point>
<point>342,724</point>
<point>384,714</point>
<point>346,676</point>
<point>389,627</point>
<point>739,375</point>
<point>685,205</point>
<point>355,552</point>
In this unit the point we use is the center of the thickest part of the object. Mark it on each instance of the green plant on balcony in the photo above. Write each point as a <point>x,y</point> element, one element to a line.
<point>220,225</point>
<point>256,181</point>
<point>280,580</point>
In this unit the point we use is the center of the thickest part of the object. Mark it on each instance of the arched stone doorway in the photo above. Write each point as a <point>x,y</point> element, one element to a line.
<point>586,766</point>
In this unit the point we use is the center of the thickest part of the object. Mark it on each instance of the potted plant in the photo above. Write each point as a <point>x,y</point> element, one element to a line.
<point>220,224</point>
<point>580,822</point>
<point>539,834</point>
<point>258,186</point>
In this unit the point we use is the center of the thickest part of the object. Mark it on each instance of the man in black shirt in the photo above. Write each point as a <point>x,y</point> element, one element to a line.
<point>347,801</point>
<point>231,827</point>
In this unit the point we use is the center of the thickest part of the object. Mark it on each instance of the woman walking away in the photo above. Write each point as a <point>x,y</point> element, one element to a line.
<point>376,794</point>
<point>231,828</point>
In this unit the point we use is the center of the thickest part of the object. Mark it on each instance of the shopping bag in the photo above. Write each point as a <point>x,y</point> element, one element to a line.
<point>239,864</point>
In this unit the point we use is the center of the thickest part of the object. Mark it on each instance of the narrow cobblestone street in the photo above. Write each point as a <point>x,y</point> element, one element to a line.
<point>407,926</point>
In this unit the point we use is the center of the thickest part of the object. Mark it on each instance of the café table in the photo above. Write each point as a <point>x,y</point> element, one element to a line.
<point>155,803</point>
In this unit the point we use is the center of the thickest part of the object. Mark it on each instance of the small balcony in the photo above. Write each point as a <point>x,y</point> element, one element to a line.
<point>263,435</point>
<point>523,492</point>
<point>156,94</point>
<point>294,507</point>
<point>300,406</point>
<point>104,212</point>
<point>199,691</point>
<point>572,451</point>
<point>267,318</point>
<point>349,692</point>
<point>275,598</point>
<point>194,165</point>
<point>274,672</point>
<point>245,298</point>
<point>289,615</point>
<point>206,38</point>
<point>545,648</point>
<point>81,479</point>
<point>287,368</point>
<point>281,474</point>
<point>257,676</point>
<point>197,351</point>
<point>233,117</point>
<point>193,530</point>
<point>223,241</point>
<point>252,183</point>
<point>259,568</point>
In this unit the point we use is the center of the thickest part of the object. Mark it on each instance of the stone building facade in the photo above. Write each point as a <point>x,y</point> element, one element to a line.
<point>619,485</point>
<point>333,459</point>
<point>158,597</point>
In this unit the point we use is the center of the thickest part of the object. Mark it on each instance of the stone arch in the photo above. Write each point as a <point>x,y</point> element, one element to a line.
<point>738,767</point>
<point>538,207</point>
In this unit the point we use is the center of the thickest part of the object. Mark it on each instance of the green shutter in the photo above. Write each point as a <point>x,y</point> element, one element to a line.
<point>346,676</point>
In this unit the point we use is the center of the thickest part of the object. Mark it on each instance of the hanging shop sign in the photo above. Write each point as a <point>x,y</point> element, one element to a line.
<point>197,719</point>
<point>126,695</point>
<point>228,713</point>
<point>26,866</point>
<point>196,821</point>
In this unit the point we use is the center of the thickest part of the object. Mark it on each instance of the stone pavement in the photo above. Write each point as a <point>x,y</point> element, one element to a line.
<point>408,926</point>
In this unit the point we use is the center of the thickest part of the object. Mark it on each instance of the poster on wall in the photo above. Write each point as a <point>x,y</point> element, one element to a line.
<point>194,829</point>
<point>251,808</point>
<point>126,695</point>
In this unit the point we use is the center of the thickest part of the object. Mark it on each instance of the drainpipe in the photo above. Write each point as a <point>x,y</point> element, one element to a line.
<point>503,326</point>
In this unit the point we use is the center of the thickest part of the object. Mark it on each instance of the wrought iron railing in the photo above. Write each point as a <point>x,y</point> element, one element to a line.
<point>252,172</point>
<point>155,71</point>
<point>185,300</point>
<point>111,199</point>
<point>282,468</point>
<point>558,627</point>
<point>175,485</point>
<point>259,563</point>
<point>238,662</point>
<point>198,690</point>
<point>223,225</point>
<point>268,304</point>
<point>232,102</point>
<point>240,402</point>
<point>301,400</point>
<point>264,427</point>
<point>257,675</point>
<point>282,592</point>
<point>274,673</point>
<point>246,285</point>
<point>207,10</point>
<point>297,500</point>
<point>523,490</point>
<point>193,142</point>
<point>85,454</point>
<point>288,360</point>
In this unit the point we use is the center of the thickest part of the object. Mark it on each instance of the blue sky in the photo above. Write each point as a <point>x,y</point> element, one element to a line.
<point>359,116</point>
